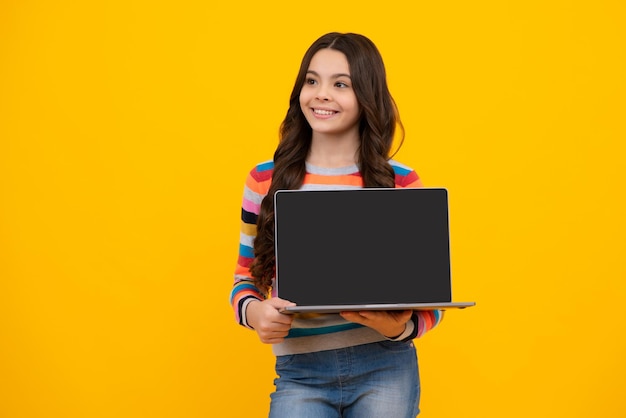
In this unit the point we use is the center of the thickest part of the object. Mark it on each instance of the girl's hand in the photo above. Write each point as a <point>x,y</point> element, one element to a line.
<point>388,323</point>
<point>271,325</point>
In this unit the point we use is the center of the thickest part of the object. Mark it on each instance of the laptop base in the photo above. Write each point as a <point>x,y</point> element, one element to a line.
<point>376,307</point>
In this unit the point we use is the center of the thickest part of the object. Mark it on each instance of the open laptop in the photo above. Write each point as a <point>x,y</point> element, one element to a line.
<point>363,249</point>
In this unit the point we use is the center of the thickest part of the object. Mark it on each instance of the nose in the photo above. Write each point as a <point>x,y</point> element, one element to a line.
<point>322,93</point>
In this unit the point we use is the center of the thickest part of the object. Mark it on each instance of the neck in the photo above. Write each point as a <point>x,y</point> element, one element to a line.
<point>330,151</point>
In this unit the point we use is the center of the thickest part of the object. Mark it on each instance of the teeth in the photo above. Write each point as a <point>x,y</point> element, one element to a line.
<point>323,112</point>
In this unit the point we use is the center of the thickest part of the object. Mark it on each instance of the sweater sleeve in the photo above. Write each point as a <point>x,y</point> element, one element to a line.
<point>244,291</point>
<point>425,321</point>
<point>406,177</point>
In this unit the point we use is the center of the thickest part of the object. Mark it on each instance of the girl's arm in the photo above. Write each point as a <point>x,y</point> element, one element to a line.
<point>421,321</point>
<point>244,291</point>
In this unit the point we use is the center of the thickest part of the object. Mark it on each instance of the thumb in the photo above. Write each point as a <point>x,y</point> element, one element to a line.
<point>280,303</point>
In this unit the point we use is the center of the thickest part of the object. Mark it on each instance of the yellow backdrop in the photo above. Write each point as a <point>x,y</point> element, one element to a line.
<point>127,129</point>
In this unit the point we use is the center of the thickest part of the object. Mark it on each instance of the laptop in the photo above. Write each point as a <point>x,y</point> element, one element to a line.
<point>363,249</point>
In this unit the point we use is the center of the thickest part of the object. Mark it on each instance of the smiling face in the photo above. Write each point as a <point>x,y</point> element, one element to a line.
<point>327,98</point>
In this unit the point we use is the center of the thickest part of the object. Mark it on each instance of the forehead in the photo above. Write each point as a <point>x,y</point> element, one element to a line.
<point>329,61</point>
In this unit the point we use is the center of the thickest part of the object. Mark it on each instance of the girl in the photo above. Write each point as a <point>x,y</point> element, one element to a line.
<point>337,133</point>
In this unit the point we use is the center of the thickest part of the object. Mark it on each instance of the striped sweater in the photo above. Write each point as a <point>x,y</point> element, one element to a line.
<point>316,332</point>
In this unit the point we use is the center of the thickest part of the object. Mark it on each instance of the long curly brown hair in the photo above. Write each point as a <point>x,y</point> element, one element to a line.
<point>377,126</point>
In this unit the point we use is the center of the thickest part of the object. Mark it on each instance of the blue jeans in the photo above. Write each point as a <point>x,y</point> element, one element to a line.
<point>366,381</point>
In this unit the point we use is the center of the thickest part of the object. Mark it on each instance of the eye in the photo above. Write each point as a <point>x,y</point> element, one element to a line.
<point>341,84</point>
<point>310,81</point>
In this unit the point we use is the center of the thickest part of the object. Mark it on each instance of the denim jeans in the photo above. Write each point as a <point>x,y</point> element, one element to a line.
<point>366,381</point>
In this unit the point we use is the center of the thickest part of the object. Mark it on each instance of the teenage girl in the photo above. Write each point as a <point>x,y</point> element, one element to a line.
<point>337,133</point>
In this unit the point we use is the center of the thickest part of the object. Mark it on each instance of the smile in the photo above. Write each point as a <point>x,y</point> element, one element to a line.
<point>323,112</point>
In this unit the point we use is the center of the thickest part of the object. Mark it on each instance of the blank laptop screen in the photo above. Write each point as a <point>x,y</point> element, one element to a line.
<point>363,246</point>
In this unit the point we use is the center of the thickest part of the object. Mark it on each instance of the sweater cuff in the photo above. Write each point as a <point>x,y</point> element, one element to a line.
<point>244,309</point>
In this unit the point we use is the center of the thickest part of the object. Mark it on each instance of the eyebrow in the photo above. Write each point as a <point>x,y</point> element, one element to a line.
<point>332,76</point>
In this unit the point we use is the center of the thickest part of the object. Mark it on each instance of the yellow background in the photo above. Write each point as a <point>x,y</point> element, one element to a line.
<point>127,129</point>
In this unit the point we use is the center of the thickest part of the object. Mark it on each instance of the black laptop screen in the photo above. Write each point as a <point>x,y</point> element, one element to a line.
<point>363,246</point>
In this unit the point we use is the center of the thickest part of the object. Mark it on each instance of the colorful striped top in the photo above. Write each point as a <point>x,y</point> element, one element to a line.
<point>310,333</point>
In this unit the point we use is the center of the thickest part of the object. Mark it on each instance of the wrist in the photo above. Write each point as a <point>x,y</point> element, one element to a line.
<point>395,335</point>
<point>409,329</point>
